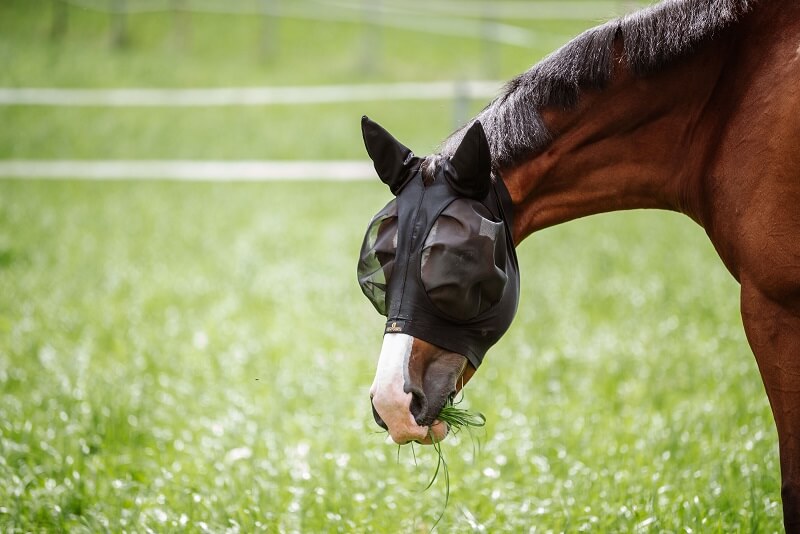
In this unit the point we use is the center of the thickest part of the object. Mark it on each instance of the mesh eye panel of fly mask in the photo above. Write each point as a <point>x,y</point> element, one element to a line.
<point>438,260</point>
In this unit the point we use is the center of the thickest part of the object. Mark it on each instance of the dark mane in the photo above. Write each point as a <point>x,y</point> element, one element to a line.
<point>652,38</point>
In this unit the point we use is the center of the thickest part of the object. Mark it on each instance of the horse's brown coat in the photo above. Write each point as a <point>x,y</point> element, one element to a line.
<point>717,137</point>
<point>714,135</point>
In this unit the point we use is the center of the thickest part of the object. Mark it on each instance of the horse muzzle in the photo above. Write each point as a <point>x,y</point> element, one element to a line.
<point>413,382</point>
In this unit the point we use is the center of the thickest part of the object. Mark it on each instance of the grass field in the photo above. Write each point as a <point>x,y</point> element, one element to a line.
<point>197,357</point>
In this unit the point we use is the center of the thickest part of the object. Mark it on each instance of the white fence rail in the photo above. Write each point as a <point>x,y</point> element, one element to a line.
<point>481,9</point>
<point>188,170</point>
<point>250,96</point>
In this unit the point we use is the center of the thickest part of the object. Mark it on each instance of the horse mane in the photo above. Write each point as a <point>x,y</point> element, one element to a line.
<point>651,38</point>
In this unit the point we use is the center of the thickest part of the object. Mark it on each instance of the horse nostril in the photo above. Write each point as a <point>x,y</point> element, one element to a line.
<point>377,417</point>
<point>419,405</point>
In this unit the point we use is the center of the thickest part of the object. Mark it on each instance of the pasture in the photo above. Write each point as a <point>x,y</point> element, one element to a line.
<point>197,357</point>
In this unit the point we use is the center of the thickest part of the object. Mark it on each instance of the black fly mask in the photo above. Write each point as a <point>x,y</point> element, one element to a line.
<point>438,261</point>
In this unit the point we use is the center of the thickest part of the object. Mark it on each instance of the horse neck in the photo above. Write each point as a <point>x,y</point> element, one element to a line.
<point>638,143</point>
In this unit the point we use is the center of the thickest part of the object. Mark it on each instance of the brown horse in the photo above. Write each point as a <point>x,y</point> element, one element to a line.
<point>691,106</point>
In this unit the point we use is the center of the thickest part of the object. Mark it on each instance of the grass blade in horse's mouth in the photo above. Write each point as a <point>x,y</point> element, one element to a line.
<point>457,418</point>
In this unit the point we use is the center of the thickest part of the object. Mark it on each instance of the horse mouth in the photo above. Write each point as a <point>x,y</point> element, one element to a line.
<point>426,431</point>
<point>414,382</point>
<point>437,431</point>
<point>431,412</point>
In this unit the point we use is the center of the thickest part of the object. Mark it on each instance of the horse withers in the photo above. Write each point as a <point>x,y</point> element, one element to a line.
<point>688,106</point>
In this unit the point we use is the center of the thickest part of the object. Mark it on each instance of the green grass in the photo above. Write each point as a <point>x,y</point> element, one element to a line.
<point>458,418</point>
<point>198,356</point>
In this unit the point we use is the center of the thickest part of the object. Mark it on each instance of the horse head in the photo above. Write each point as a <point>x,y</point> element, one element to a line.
<point>438,262</point>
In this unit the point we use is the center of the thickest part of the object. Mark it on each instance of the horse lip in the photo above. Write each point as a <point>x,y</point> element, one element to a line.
<point>434,435</point>
<point>404,435</point>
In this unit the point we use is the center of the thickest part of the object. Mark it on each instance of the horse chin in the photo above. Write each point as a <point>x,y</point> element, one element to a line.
<point>436,433</point>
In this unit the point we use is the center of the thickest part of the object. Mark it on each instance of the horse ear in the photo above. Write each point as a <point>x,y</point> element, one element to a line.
<point>393,161</point>
<point>473,164</point>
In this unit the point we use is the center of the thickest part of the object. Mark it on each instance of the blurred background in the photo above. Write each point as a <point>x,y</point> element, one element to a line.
<point>459,52</point>
<point>183,344</point>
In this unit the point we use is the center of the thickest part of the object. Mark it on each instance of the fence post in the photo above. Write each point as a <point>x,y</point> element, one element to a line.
<point>270,28</point>
<point>461,98</point>
<point>491,49</point>
<point>372,28</point>
<point>119,31</point>
<point>58,26</point>
<point>180,24</point>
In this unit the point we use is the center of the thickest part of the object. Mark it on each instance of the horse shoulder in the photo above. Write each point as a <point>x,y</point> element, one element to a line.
<point>753,180</point>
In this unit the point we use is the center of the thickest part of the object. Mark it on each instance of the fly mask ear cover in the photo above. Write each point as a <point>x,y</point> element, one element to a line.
<point>442,266</point>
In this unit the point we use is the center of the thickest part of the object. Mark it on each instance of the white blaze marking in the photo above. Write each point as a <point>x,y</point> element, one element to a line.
<point>390,375</point>
<point>391,402</point>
